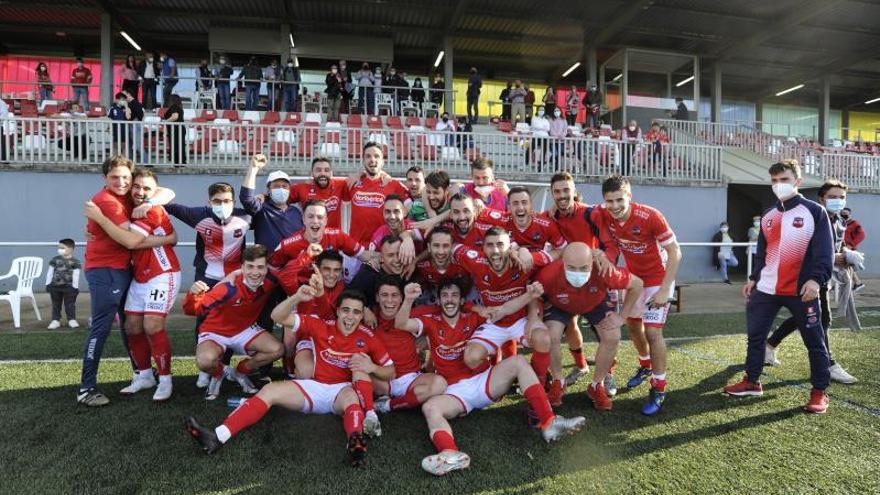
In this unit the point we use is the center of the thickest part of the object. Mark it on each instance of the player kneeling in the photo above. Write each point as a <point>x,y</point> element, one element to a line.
<point>345,351</point>
<point>231,310</point>
<point>448,332</point>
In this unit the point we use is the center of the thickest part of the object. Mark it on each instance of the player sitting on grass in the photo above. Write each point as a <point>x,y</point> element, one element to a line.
<point>346,353</point>
<point>448,331</point>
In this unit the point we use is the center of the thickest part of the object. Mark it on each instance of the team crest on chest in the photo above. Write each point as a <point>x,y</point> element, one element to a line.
<point>237,233</point>
<point>798,222</point>
<point>360,343</point>
<point>636,230</point>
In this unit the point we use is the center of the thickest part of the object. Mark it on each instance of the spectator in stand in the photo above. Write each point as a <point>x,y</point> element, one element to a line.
<point>206,78</point>
<point>62,284</point>
<point>76,141</point>
<point>753,235</point>
<point>558,131</point>
<point>403,93</point>
<point>475,84</point>
<point>447,126</point>
<point>169,77</point>
<point>366,94</point>
<point>517,102</point>
<point>438,87</point>
<point>656,138</point>
<point>505,101</point>
<point>417,95</point>
<point>80,79</point>
<point>530,103</point>
<point>291,79</point>
<point>252,77</point>
<point>631,135</point>
<point>852,237</point>
<point>722,256</point>
<point>129,75</point>
<point>593,103</point>
<point>176,133</point>
<point>378,79</point>
<point>136,146</point>
<point>119,113</point>
<point>572,105</point>
<point>347,88</point>
<point>44,82</point>
<point>149,71</point>
<point>540,128</point>
<point>681,110</point>
<point>272,74</point>
<point>223,73</point>
<point>549,99</point>
<point>335,87</point>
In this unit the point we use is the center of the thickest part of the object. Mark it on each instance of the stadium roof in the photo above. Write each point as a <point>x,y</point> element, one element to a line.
<point>764,47</point>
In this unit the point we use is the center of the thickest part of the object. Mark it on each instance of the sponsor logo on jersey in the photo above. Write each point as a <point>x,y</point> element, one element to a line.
<point>472,254</point>
<point>451,352</point>
<point>501,297</point>
<point>368,199</point>
<point>563,298</point>
<point>333,358</point>
<point>360,342</point>
<point>637,230</point>
<point>332,203</point>
<point>798,222</point>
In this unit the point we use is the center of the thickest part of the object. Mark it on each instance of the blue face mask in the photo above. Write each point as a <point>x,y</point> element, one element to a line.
<point>222,211</point>
<point>577,279</point>
<point>834,205</point>
<point>279,195</point>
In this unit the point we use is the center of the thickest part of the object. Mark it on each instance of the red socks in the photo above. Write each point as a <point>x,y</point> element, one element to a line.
<point>443,440</point>
<point>243,367</point>
<point>364,389</point>
<point>579,360</point>
<point>139,349</point>
<point>353,419</point>
<point>508,349</point>
<point>247,414</point>
<point>541,363</point>
<point>645,362</point>
<point>538,400</point>
<point>161,347</point>
<point>408,401</point>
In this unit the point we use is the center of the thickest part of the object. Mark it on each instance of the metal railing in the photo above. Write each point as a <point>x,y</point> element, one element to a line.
<point>89,141</point>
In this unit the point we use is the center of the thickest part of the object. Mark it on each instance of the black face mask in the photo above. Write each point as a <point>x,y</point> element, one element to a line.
<point>445,119</point>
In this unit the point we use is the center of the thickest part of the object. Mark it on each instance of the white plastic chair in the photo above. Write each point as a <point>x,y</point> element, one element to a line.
<point>27,269</point>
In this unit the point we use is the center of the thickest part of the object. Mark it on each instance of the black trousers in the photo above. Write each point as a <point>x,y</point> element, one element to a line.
<point>63,295</point>
<point>790,325</point>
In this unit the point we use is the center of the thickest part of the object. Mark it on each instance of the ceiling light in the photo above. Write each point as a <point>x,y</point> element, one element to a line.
<point>875,100</point>
<point>439,58</point>
<point>571,69</point>
<point>130,41</point>
<point>789,90</point>
<point>291,40</point>
<point>616,78</point>
<point>684,81</point>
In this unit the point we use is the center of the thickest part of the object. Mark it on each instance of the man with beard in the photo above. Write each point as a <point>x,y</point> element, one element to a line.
<point>367,278</point>
<point>448,330</point>
<point>435,198</point>
<point>484,187</point>
<point>469,224</point>
<point>528,229</point>
<point>323,187</point>
<point>368,193</point>
<point>438,267</point>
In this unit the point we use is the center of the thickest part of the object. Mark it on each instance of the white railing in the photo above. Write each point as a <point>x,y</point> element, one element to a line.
<point>217,144</point>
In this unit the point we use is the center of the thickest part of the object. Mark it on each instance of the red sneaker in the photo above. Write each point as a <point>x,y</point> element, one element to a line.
<point>600,399</point>
<point>555,393</point>
<point>818,402</point>
<point>744,388</point>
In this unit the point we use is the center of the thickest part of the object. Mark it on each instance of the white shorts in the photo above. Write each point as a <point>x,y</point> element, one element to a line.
<point>350,267</point>
<point>492,336</point>
<point>401,384</point>
<point>473,392</point>
<point>651,317</point>
<point>153,297</point>
<point>320,397</point>
<point>238,344</point>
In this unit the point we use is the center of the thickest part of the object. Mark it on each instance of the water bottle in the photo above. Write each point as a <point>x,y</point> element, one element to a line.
<point>234,402</point>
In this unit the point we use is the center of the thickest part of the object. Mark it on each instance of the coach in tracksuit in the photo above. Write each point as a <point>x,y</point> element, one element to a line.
<point>794,260</point>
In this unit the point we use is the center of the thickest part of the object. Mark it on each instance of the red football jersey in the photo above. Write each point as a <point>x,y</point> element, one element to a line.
<point>332,196</point>
<point>384,229</point>
<point>639,239</point>
<point>400,344</point>
<point>485,220</point>
<point>150,262</point>
<point>540,231</point>
<point>332,240</point>
<point>367,198</point>
<point>495,289</point>
<point>579,300</point>
<point>448,344</point>
<point>333,349</point>
<point>429,274</point>
<point>102,251</point>
<point>324,307</point>
<point>575,227</point>
<point>229,307</point>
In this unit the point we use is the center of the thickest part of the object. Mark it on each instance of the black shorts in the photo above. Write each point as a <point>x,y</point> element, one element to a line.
<point>594,316</point>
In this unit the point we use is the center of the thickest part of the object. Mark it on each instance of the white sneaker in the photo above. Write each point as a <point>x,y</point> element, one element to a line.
<point>73,324</point>
<point>383,404</point>
<point>212,391</point>
<point>202,380</point>
<point>839,375</point>
<point>372,427</point>
<point>576,375</point>
<point>561,427</point>
<point>770,356</point>
<point>247,386</point>
<point>163,391</point>
<point>446,461</point>
<point>54,324</point>
<point>141,381</point>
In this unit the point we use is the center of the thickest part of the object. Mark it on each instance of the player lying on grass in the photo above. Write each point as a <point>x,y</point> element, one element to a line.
<point>448,331</point>
<point>347,353</point>
<point>231,310</point>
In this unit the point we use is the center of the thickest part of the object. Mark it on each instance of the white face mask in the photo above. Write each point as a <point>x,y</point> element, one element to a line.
<point>290,64</point>
<point>834,205</point>
<point>631,128</point>
<point>577,279</point>
<point>279,196</point>
<point>540,113</point>
<point>484,190</point>
<point>784,190</point>
<point>62,251</point>
<point>222,211</point>
<point>756,223</point>
<point>724,230</point>
<point>557,113</point>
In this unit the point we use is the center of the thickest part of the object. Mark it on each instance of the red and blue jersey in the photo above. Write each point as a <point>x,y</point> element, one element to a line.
<point>218,244</point>
<point>794,245</point>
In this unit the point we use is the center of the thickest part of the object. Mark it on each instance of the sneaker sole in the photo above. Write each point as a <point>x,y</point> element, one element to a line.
<point>743,394</point>
<point>448,468</point>
<point>814,411</point>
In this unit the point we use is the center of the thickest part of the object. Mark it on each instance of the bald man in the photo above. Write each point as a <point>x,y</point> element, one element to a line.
<point>574,286</point>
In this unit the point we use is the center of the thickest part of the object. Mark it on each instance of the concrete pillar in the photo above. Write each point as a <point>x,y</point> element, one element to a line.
<point>697,88</point>
<point>106,88</point>
<point>449,96</point>
<point>624,87</point>
<point>669,84</point>
<point>844,125</point>
<point>591,64</point>
<point>716,92</point>
<point>824,109</point>
<point>759,114</point>
<point>285,50</point>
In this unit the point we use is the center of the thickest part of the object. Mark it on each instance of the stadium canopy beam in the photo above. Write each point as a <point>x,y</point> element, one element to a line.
<point>449,97</point>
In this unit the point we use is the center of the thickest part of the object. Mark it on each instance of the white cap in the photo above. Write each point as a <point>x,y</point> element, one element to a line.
<point>278,174</point>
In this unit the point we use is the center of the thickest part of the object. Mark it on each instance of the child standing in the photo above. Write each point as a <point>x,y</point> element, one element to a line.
<point>62,284</point>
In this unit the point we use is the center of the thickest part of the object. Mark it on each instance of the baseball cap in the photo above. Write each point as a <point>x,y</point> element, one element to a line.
<point>278,174</point>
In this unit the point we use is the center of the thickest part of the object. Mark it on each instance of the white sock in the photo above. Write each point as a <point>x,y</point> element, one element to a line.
<point>223,433</point>
<point>147,373</point>
<point>164,378</point>
<point>644,358</point>
<point>595,384</point>
<point>658,376</point>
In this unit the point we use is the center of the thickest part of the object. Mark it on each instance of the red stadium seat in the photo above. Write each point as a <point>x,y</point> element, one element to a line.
<point>270,118</point>
<point>394,122</point>
<point>505,126</point>
<point>355,142</point>
<point>354,120</point>
<point>206,116</point>
<point>413,120</point>
<point>374,122</point>
<point>292,118</point>
<point>431,123</point>
<point>279,148</point>
<point>232,115</point>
